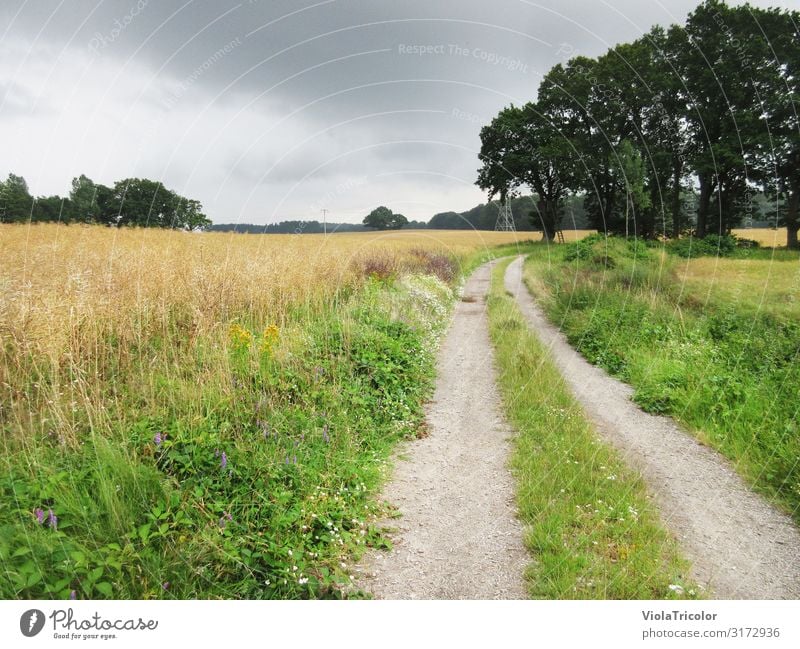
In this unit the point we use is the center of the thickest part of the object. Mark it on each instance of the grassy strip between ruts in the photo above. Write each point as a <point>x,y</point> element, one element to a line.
<point>588,522</point>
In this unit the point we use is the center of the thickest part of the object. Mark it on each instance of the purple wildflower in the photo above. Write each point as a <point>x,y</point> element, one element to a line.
<point>157,439</point>
<point>165,585</point>
<point>52,519</point>
<point>294,461</point>
<point>325,434</point>
<point>39,513</point>
<point>225,519</point>
<point>73,594</point>
<point>223,460</point>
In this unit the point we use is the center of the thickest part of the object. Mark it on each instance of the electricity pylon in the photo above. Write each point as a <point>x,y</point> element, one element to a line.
<point>505,220</point>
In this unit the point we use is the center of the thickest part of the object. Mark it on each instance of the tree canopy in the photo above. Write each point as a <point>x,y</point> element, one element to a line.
<point>382,218</point>
<point>709,106</point>
<point>132,201</point>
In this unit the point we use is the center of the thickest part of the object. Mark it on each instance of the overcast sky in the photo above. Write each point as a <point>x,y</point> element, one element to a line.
<point>268,110</point>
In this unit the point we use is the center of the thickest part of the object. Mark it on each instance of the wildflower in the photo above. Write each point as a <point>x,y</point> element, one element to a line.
<point>165,585</point>
<point>225,519</point>
<point>302,580</point>
<point>39,513</point>
<point>52,519</point>
<point>677,589</point>
<point>325,434</point>
<point>294,460</point>
<point>73,594</point>
<point>240,337</point>
<point>269,338</point>
<point>157,439</point>
<point>223,460</point>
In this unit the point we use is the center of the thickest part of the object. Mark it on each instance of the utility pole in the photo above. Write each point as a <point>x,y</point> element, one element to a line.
<point>325,222</point>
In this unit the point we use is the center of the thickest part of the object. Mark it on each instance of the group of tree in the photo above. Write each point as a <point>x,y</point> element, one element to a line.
<point>132,201</point>
<point>709,107</point>
<point>484,216</point>
<point>382,218</point>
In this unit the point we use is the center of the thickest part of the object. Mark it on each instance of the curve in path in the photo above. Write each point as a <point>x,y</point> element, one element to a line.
<point>740,546</point>
<point>458,535</point>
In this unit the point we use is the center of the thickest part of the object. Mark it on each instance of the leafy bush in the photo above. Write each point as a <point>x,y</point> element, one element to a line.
<point>711,246</point>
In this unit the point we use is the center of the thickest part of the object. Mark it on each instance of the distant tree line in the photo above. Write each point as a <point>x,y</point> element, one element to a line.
<point>484,216</point>
<point>301,227</point>
<point>708,107</point>
<point>132,201</point>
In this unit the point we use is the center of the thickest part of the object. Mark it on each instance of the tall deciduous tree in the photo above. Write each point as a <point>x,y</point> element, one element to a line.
<point>16,202</point>
<point>382,218</point>
<point>525,147</point>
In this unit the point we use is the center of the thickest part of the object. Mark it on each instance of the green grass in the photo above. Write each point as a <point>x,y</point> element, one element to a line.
<point>241,472</point>
<point>712,342</point>
<point>589,525</point>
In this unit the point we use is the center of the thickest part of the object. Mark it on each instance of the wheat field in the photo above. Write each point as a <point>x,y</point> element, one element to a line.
<point>59,282</point>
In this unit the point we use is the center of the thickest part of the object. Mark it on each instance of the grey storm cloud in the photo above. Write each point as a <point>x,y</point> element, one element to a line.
<point>262,108</point>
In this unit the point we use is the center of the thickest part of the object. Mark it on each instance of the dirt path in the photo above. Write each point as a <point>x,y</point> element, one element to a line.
<point>739,545</point>
<point>458,537</point>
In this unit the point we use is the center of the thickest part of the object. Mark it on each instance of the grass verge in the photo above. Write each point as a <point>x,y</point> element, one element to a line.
<point>589,525</point>
<point>245,470</point>
<point>711,342</point>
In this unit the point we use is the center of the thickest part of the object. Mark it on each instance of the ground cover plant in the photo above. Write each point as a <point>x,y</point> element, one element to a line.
<point>710,340</point>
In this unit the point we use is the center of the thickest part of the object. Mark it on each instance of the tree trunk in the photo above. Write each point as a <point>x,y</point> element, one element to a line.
<point>706,189</point>
<point>547,209</point>
<point>677,221</point>
<point>792,224</point>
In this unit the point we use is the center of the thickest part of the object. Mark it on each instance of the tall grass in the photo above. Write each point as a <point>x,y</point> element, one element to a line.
<point>206,415</point>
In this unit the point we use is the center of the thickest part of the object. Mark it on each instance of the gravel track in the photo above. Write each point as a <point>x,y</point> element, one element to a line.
<point>739,545</point>
<point>458,536</point>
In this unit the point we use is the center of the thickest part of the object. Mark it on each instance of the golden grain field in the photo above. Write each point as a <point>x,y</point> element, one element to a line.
<point>58,282</point>
<point>767,237</point>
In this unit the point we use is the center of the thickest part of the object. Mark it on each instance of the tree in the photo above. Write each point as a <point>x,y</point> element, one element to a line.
<point>16,202</point>
<point>90,201</point>
<point>382,218</point>
<point>666,136</point>
<point>147,203</point>
<point>637,198</point>
<point>524,147</point>
<point>52,208</point>
<point>721,106</point>
<point>775,49</point>
<point>398,221</point>
<point>142,202</point>
<point>189,215</point>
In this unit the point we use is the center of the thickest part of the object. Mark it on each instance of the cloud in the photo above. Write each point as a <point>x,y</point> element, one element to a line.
<point>261,109</point>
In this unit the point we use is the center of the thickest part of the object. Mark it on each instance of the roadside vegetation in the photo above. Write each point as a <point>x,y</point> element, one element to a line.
<point>705,331</point>
<point>589,525</point>
<point>207,416</point>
